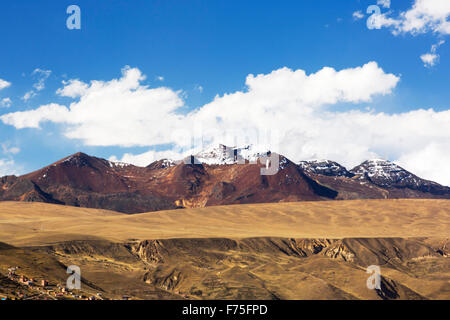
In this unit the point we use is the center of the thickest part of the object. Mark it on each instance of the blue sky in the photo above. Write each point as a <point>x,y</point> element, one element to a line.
<point>204,49</point>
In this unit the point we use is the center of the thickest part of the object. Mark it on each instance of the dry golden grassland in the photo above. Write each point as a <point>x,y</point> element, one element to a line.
<point>28,224</point>
<point>302,250</point>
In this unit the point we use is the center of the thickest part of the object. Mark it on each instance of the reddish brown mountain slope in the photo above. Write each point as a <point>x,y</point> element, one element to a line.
<point>85,181</point>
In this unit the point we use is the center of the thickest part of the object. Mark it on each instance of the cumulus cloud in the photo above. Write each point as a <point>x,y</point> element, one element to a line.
<point>424,16</point>
<point>378,21</point>
<point>126,113</point>
<point>429,59</point>
<point>4,84</point>
<point>73,89</point>
<point>118,112</point>
<point>430,162</point>
<point>32,119</point>
<point>296,108</point>
<point>5,102</point>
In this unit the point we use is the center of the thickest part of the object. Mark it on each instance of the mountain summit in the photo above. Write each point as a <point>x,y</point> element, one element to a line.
<point>387,174</point>
<point>375,178</point>
<point>325,167</point>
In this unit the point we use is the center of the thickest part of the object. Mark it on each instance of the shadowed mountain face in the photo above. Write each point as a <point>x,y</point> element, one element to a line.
<point>85,181</point>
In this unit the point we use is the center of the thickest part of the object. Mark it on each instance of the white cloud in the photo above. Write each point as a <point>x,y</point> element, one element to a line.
<point>430,59</point>
<point>118,112</point>
<point>7,167</point>
<point>160,78</point>
<point>73,89</point>
<point>42,76</point>
<point>126,113</point>
<point>384,3</point>
<point>431,162</point>
<point>358,15</point>
<point>5,102</point>
<point>32,119</point>
<point>4,84</point>
<point>298,107</point>
<point>422,17</point>
<point>378,21</point>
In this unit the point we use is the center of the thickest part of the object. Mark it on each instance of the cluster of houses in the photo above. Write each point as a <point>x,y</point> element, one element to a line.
<point>43,287</point>
<point>24,280</point>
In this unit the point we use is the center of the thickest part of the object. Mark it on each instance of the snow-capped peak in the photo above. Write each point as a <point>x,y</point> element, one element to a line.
<point>388,174</point>
<point>168,163</point>
<point>162,164</point>
<point>325,167</point>
<point>378,168</point>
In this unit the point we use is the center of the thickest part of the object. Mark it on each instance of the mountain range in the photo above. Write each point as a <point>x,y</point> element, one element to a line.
<point>216,176</point>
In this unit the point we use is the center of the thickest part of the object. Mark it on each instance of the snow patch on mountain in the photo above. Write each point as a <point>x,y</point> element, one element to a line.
<point>325,167</point>
<point>162,164</point>
<point>118,164</point>
<point>386,173</point>
<point>166,163</point>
